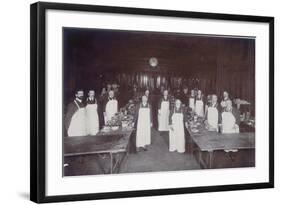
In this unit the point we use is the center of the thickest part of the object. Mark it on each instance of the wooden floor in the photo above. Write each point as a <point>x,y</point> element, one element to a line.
<point>156,158</point>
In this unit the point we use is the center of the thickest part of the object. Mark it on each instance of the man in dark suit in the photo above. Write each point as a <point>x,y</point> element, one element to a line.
<point>75,118</point>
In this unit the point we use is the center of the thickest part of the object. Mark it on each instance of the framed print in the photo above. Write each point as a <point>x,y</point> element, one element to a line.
<point>129,102</point>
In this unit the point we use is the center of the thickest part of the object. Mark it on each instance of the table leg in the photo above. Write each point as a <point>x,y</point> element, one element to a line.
<point>200,160</point>
<point>211,158</point>
<point>111,163</point>
<point>101,165</point>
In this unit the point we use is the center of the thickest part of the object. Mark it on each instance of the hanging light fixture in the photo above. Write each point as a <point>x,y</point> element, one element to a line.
<point>153,62</point>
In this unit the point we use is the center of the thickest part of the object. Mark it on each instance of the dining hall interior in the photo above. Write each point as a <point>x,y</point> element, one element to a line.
<point>131,63</point>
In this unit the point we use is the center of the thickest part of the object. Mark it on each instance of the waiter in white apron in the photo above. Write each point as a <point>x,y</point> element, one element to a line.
<point>213,114</point>
<point>147,94</point>
<point>199,104</point>
<point>230,119</point>
<point>143,124</point>
<point>176,132</point>
<point>225,98</point>
<point>111,106</point>
<point>75,119</point>
<point>108,87</point>
<point>164,112</point>
<point>191,102</point>
<point>92,118</point>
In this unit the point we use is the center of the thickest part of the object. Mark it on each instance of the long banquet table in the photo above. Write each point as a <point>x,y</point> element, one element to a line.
<point>208,143</point>
<point>112,143</point>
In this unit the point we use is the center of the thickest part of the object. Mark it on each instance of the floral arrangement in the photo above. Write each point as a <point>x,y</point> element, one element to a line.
<point>115,121</point>
<point>119,119</point>
<point>131,107</point>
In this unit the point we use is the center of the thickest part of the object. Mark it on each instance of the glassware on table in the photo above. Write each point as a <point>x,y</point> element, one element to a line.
<point>195,118</point>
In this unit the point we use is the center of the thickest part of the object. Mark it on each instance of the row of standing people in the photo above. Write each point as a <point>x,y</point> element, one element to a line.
<point>83,117</point>
<point>211,110</point>
<point>173,118</point>
<point>192,102</point>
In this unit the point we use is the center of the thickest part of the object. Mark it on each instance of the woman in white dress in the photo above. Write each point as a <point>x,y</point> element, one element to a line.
<point>164,112</point>
<point>230,118</point>
<point>176,132</point>
<point>191,102</point>
<point>199,104</point>
<point>111,106</point>
<point>143,123</point>
<point>147,94</point>
<point>213,114</point>
<point>92,118</point>
<point>225,98</point>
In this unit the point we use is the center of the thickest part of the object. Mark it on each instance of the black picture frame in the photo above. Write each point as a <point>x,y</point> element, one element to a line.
<point>38,101</point>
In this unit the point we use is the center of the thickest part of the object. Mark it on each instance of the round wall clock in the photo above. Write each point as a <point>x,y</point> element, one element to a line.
<point>153,62</point>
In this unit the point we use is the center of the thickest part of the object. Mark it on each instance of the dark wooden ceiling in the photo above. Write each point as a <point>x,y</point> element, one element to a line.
<point>99,51</point>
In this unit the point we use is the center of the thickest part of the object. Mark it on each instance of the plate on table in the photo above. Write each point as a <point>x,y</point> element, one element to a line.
<point>115,127</point>
<point>105,129</point>
<point>194,130</point>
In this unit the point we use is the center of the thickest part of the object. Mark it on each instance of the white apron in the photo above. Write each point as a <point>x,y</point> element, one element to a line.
<point>111,109</point>
<point>77,125</point>
<point>92,119</point>
<point>176,136</point>
<point>191,103</point>
<point>213,117</point>
<point>143,136</point>
<point>163,116</point>
<point>199,108</point>
<point>228,123</point>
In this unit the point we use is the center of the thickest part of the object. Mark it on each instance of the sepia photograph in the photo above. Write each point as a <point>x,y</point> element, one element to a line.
<point>142,101</point>
<point>133,102</point>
